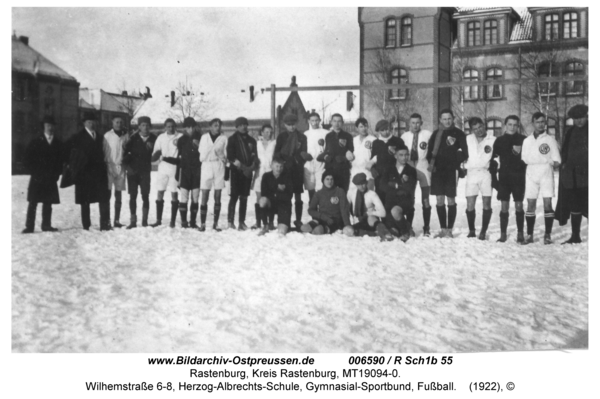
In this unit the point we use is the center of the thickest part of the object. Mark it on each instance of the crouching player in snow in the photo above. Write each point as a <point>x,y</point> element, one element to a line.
<point>277,190</point>
<point>329,209</point>
<point>43,159</point>
<point>417,140</point>
<point>264,151</point>
<point>315,145</point>
<point>479,178</point>
<point>137,158</point>
<point>212,150</point>
<point>399,185</point>
<point>114,143</point>
<point>165,150</point>
<point>511,176</point>
<point>367,210</point>
<point>189,171</point>
<point>540,153</point>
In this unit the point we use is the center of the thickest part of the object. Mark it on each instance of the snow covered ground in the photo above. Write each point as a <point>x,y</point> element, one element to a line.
<point>175,290</point>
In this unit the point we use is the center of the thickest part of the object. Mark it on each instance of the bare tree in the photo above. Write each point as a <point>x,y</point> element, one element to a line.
<point>190,101</point>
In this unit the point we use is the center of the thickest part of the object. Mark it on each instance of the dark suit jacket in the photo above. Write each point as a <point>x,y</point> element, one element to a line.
<point>397,191</point>
<point>44,162</point>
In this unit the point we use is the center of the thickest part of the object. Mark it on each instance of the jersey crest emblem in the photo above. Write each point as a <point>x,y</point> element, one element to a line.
<point>516,149</point>
<point>335,200</point>
<point>342,142</point>
<point>368,144</point>
<point>423,145</point>
<point>321,142</point>
<point>487,149</point>
<point>544,149</point>
<point>149,145</point>
<point>392,149</point>
<point>450,140</point>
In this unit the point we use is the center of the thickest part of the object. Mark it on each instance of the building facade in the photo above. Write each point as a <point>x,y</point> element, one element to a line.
<point>434,45</point>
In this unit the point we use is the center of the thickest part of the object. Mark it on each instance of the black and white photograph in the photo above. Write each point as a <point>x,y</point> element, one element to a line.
<point>299,180</point>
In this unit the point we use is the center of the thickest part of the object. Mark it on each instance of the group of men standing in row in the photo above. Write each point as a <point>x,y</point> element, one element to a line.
<point>384,171</point>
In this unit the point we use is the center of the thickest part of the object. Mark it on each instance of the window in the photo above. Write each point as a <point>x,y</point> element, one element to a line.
<point>473,34</point>
<point>490,32</point>
<point>406,32</point>
<point>494,91</point>
<point>390,33</point>
<point>547,89</point>
<point>570,25</point>
<point>575,86</point>
<point>21,89</point>
<point>551,27</point>
<point>551,126</point>
<point>471,92</point>
<point>398,76</point>
<point>494,126</point>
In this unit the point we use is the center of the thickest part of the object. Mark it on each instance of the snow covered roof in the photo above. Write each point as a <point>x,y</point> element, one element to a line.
<point>26,59</point>
<point>521,29</point>
<point>99,99</point>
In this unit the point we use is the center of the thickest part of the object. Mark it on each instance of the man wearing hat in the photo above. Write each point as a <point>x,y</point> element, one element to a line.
<point>383,154</point>
<point>329,209</point>
<point>366,209</point>
<point>446,151</point>
<point>291,148</point>
<point>91,177</point>
<point>339,152</point>
<point>315,145</point>
<point>114,143</point>
<point>189,171</point>
<point>399,184</point>
<point>241,153</point>
<point>43,159</point>
<point>276,190</point>
<point>137,159</point>
<point>574,174</point>
<point>540,153</point>
<point>165,151</point>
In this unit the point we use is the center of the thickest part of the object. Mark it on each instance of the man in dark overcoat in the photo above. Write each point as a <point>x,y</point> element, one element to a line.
<point>573,182</point>
<point>43,159</point>
<point>85,151</point>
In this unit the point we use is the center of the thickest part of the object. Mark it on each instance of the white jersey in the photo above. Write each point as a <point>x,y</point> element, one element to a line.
<point>265,155</point>
<point>113,147</point>
<point>480,152</point>
<point>372,202</point>
<point>213,151</point>
<point>423,141</point>
<point>167,145</point>
<point>362,156</point>
<point>540,151</point>
<point>313,148</point>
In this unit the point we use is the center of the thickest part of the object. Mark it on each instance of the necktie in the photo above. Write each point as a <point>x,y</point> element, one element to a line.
<point>414,155</point>
<point>93,135</point>
<point>359,206</point>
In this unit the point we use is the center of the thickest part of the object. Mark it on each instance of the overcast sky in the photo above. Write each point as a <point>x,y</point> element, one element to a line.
<point>223,50</point>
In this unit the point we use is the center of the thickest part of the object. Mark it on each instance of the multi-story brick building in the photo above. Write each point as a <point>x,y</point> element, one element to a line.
<point>434,45</point>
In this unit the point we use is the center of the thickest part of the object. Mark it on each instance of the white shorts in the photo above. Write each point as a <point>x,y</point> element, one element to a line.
<point>539,178</point>
<point>478,180</point>
<point>212,175</point>
<point>423,175</point>
<point>312,180</point>
<point>166,180</point>
<point>117,180</point>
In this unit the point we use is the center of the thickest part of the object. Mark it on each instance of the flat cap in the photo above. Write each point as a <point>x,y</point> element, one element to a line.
<point>49,119</point>
<point>89,116</point>
<point>290,119</point>
<point>328,172</point>
<point>189,122</point>
<point>578,111</point>
<point>359,179</point>
<point>144,119</point>
<point>382,125</point>
<point>241,121</point>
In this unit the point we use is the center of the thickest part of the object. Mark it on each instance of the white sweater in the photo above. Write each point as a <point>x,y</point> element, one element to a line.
<point>372,202</point>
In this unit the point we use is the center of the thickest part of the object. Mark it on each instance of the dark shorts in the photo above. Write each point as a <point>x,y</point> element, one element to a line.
<point>283,210</point>
<point>443,182</point>
<point>139,181</point>
<point>297,177</point>
<point>511,184</point>
<point>189,178</point>
<point>332,228</point>
<point>398,228</point>
<point>363,228</point>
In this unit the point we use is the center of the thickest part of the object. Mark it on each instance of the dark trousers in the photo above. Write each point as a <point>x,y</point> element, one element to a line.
<point>104,208</point>
<point>138,182</point>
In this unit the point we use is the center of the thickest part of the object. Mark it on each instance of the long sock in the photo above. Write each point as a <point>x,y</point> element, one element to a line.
<point>203,213</point>
<point>271,216</point>
<point>217,212</point>
<point>441,211</point>
<point>231,208</point>
<point>183,210</point>
<point>549,221</point>
<point>451,215</point>
<point>298,207</point>
<point>31,211</point>
<point>193,213</point>
<point>160,205</point>
<point>471,219</point>
<point>243,207</point>
<point>520,220</point>
<point>174,207</point>
<point>530,217</point>
<point>576,224</point>
<point>504,222</point>
<point>258,215</point>
<point>117,211</point>
<point>426,216</point>
<point>264,216</point>
<point>410,215</point>
<point>485,220</point>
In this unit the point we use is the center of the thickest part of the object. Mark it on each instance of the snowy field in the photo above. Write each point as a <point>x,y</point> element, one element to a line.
<point>176,290</point>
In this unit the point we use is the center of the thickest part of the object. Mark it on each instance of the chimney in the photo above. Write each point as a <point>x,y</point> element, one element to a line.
<point>147,95</point>
<point>172,98</point>
<point>24,40</point>
<point>124,93</point>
